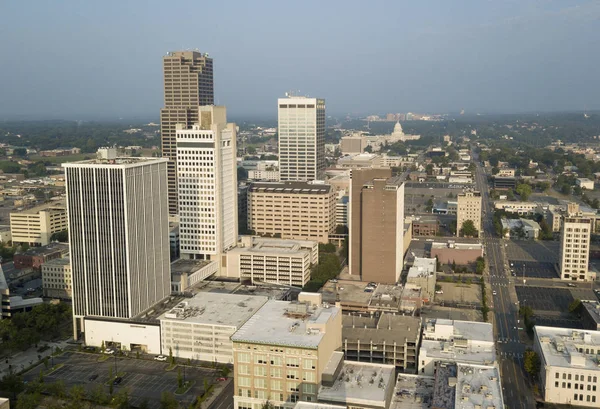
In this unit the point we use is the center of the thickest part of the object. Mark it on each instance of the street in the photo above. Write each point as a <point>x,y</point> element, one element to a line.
<point>510,351</point>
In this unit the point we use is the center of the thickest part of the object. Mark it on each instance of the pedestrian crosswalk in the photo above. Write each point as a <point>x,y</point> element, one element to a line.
<point>507,340</point>
<point>511,354</point>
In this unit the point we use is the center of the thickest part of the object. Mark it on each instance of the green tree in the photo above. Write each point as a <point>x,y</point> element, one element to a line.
<point>61,236</point>
<point>13,384</point>
<point>532,363</point>
<point>369,149</point>
<point>267,405</point>
<point>326,248</point>
<point>171,357</point>
<point>468,229</point>
<point>251,150</point>
<point>168,401</point>
<point>20,152</point>
<point>524,191</point>
<point>480,265</point>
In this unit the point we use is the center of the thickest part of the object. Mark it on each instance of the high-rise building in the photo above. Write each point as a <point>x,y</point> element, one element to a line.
<point>301,138</point>
<point>574,250</point>
<point>118,235</point>
<point>468,208</point>
<point>207,179</point>
<point>358,178</point>
<point>188,84</point>
<point>292,210</point>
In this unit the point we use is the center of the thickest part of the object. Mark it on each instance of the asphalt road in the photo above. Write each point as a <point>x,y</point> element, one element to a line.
<point>517,393</point>
<point>225,398</point>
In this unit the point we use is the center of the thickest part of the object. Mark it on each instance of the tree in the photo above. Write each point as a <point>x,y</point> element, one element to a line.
<point>242,174</point>
<point>532,362</point>
<point>575,305</point>
<point>480,265</point>
<point>341,229</point>
<point>524,191</point>
<point>326,248</point>
<point>369,149</point>
<point>20,152</point>
<point>12,383</point>
<point>267,405</point>
<point>468,229</point>
<point>61,236</point>
<point>251,150</point>
<point>171,357</point>
<point>168,401</point>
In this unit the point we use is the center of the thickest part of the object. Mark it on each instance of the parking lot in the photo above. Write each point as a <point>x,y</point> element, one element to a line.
<point>558,322</point>
<point>459,294</point>
<point>544,299</point>
<point>533,269</point>
<point>144,380</point>
<point>538,251</point>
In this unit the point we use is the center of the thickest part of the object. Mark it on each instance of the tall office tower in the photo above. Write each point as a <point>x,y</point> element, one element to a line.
<point>301,138</point>
<point>207,176</point>
<point>574,249</point>
<point>118,235</point>
<point>468,208</point>
<point>188,82</point>
<point>358,178</point>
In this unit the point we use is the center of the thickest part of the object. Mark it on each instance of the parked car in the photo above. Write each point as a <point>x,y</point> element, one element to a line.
<point>117,380</point>
<point>221,379</point>
<point>93,377</point>
<point>571,285</point>
<point>160,358</point>
<point>109,351</point>
<point>439,292</point>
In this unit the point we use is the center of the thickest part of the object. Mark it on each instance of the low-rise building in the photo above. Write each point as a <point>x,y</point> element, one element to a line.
<point>275,261</point>
<point>423,273</point>
<point>569,370</point>
<point>554,219</point>
<point>35,226</point>
<point>186,273</point>
<point>264,175</point>
<point>585,183</point>
<point>521,229</point>
<point>35,257</point>
<point>362,160</point>
<point>383,338</point>
<point>200,327</point>
<point>460,253</point>
<point>590,315</point>
<point>449,341</point>
<point>57,278</point>
<point>520,208</point>
<point>504,183</point>
<point>427,227</point>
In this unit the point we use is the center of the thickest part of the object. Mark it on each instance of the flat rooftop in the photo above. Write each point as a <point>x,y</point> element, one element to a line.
<point>457,246</point>
<point>422,267</point>
<point>49,249</point>
<point>478,387</point>
<point>58,262</point>
<point>413,392</point>
<point>120,162</point>
<point>593,309</point>
<point>360,383</point>
<point>562,346</point>
<point>56,205</point>
<point>286,324</point>
<point>186,266</point>
<point>314,405</point>
<point>275,246</point>
<point>290,187</point>
<point>215,309</point>
<point>386,328</point>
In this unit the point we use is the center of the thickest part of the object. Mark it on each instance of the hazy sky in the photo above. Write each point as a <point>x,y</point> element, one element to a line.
<point>78,59</point>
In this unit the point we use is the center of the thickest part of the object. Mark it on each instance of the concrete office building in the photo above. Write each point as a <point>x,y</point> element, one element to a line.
<point>35,226</point>
<point>341,211</point>
<point>276,261</point>
<point>378,211</point>
<point>292,210</point>
<point>188,84</point>
<point>200,328</point>
<point>301,128</point>
<point>281,353</point>
<point>207,185</point>
<point>465,342</point>
<point>574,250</point>
<point>469,208</point>
<point>569,370</point>
<point>383,338</point>
<point>57,279</point>
<point>119,235</point>
<point>423,273</point>
<point>353,144</point>
<point>358,178</point>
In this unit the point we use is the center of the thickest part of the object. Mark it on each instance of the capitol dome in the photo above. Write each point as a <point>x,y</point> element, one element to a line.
<point>398,129</point>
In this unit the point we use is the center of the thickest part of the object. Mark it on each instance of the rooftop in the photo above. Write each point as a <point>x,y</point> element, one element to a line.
<point>285,323</point>
<point>314,405</point>
<point>187,266</point>
<point>215,309</point>
<point>58,262</point>
<point>422,267</point>
<point>569,348</point>
<point>57,205</point>
<point>593,309</point>
<point>360,383</point>
<point>48,249</point>
<point>290,187</point>
<point>478,387</point>
<point>386,328</point>
<point>121,162</point>
<point>457,246</point>
<point>413,392</point>
<point>262,245</point>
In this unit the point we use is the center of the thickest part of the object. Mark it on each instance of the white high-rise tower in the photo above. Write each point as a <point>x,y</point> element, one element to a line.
<point>207,185</point>
<point>301,128</point>
<point>118,235</point>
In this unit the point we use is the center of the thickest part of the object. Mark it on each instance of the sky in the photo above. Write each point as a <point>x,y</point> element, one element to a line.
<point>73,59</point>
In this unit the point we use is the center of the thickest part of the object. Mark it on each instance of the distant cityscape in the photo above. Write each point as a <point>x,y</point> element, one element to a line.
<point>406,260</point>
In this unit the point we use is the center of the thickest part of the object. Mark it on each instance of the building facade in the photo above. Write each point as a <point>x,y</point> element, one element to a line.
<point>35,226</point>
<point>301,138</point>
<point>569,371</point>
<point>57,279</point>
<point>292,210</point>
<point>574,250</point>
<point>469,208</point>
<point>207,185</point>
<point>188,84</point>
<point>119,235</point>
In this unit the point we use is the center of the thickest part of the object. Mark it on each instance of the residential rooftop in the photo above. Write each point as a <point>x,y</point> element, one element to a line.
<point>215,309</point>
<point>360,383</point>
<point>569,348</point>
<point>284,323</point>
<point>290,188</point>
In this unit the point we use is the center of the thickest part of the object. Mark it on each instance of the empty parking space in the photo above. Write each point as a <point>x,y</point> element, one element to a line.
<point>533,269</point>
<point>537,251</point>
<point>544,299</point>
<point>144,380</point>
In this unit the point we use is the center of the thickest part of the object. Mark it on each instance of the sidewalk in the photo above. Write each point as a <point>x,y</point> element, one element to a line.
<point>22,360</point>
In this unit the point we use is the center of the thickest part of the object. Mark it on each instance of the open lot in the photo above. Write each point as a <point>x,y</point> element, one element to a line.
<point>459,294</point>
<point>538,251</point>
<point>144,380</point>
<point>533,269</point>
<point>463,314</point>
<point>545,299</point>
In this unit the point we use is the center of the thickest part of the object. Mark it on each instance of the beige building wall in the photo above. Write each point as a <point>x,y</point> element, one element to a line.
<point>358,178</point>
<point>469,208</point>
<point>574,250</point>
<point>57,279</point>
<point>188,84</point>
<point>292,210</point>
<point>36,226</point>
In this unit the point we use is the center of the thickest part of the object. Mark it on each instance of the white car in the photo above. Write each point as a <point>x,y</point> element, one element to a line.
<point>160,358</point>
<point>494,292</point>
<point>109,351</point>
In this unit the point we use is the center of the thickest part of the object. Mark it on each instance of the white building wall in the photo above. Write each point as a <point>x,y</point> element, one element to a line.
<point>202,342</point>
<point>127,334</point>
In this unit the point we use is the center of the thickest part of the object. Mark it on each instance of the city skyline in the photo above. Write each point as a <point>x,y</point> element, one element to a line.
<point>440,57</point>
